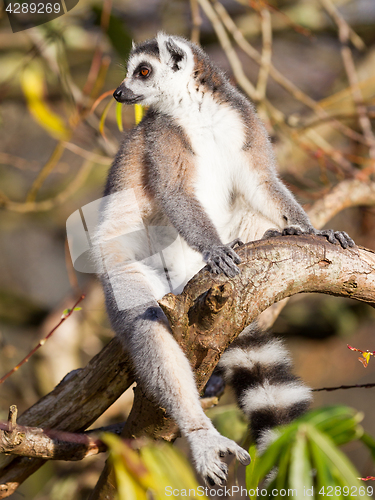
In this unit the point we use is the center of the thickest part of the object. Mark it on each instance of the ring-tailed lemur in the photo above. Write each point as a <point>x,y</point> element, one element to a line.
<point>200,162</point>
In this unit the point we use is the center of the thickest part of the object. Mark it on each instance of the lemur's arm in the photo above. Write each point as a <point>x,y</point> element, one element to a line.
<point>172,171</point>
<point>274,200</point>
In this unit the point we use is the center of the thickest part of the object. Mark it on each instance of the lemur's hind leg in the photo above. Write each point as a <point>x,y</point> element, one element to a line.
<point>163,369</point>
<point>258,367</point>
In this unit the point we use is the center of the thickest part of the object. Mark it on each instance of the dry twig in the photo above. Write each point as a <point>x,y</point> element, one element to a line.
<point>64,317</point>
<point>264,69</point>
<point>59,199</point>
<point>344,36</point>
<point>226,45</point>
<point>196,21</point>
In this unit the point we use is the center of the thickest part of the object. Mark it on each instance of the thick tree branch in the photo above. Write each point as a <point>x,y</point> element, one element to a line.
<point>80,398</point>
<point>35,442</point>
<point>271,270</point>
<point>212,311</point>
<point>85,394</point>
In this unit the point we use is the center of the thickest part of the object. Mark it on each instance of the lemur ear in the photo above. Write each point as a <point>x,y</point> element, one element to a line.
<point>171,53</point>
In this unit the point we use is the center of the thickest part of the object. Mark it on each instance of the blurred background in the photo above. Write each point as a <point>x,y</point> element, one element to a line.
<point>309,66</point>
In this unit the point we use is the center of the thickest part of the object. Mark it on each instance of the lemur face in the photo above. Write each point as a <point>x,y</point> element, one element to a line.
<point>157,71</point>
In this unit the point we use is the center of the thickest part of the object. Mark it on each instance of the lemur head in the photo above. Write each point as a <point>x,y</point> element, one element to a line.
<point>157,70</point>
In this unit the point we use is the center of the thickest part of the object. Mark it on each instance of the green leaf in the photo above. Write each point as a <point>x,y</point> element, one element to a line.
<point>323,472</point>
<point>229,421</point>
<point>147,473</point>
<point>132,477</point>
<point>252,478</point>
<point>340,465</point>
<point>127,487</point>
<point>369,441</point>
<point>300,466</point>
<point>117,32</point>
<point>169,469</point>
<point>270,458</point>
<point>306,445</point>
<point>281,481</point>
<point>325,418</point>
<point>77,309</point>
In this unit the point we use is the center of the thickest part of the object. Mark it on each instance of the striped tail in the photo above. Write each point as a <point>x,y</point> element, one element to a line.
<point>258,367</point>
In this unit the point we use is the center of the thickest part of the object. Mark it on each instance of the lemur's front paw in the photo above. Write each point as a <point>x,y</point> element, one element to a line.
<point>271,233</point>
<point>207,448</point>
<point>296,230</point>
<point>222,259</point>
<point>336,237</point>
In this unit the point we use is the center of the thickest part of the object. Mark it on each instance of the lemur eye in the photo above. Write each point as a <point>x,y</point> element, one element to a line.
<point>144,71</point>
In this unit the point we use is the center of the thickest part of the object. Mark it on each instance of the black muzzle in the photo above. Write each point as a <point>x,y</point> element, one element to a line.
<point>126,96</point>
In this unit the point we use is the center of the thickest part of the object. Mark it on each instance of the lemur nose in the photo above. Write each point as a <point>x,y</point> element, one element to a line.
<point>117,94</point>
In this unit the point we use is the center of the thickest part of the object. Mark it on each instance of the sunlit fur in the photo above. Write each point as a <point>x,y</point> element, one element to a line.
<point>200,163</point>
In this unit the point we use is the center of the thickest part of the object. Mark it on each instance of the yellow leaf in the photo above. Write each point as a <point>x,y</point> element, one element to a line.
<point>119,116</point>
<point>129,460</point>
<point>138,111</point>
<point>104,116</point>
<point>32,83</point>
<point>365,361</point>
<point>127,487</point>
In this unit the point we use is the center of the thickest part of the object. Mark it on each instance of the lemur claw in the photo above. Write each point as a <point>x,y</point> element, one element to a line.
<point>222,259</point>
<point>271,233</point>
<point>235,242</point>
<point>334,237</point>
<point>207,447</point>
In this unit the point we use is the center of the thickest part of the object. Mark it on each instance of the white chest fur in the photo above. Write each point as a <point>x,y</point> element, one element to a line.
<point>216,134</point>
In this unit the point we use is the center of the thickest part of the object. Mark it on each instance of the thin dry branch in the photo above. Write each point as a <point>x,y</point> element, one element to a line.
<point>345,33</point>
<point>42,342</point>
<point>59,199</point>
<point>342,24</point>
<point>196,21</point>
<point>104,160</point>
<point>348,193</point>
<point>337,388</point>
<point>31,165</point>
<point>45,172</point>
<point>51,444</point>
<point>279,77</point>
<point>35,442</point>
<point>80,398</point>
<point>226,45</point>
<point>264,69</point>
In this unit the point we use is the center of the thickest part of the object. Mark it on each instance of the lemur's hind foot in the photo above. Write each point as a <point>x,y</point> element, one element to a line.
<point>207,448</point>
